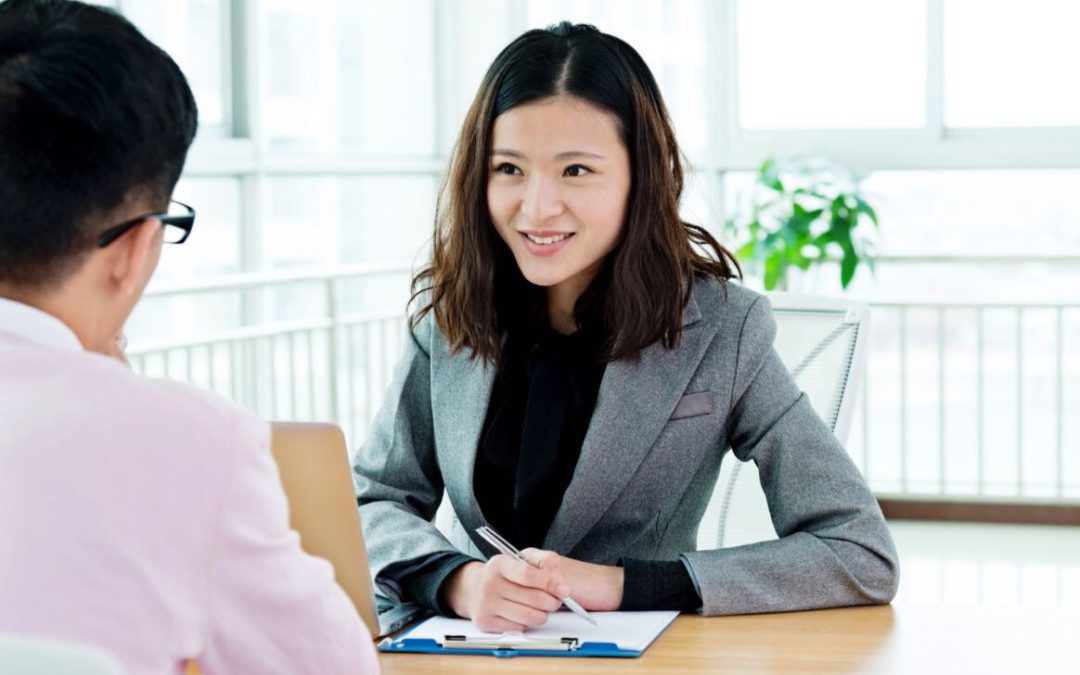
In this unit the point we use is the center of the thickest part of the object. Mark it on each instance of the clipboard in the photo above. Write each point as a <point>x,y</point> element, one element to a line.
<point>618,634</point>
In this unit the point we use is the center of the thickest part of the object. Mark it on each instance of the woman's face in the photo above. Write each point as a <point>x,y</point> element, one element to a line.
<point>558,189</point>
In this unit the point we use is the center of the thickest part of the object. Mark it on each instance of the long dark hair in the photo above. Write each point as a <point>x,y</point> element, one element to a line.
<point>473,284</point>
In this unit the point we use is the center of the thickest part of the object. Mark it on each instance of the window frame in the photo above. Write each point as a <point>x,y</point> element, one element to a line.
<point>729,147</point>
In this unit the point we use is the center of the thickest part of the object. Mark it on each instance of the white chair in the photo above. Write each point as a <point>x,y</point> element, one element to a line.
<point>28,655</point>
<point>823,343</point>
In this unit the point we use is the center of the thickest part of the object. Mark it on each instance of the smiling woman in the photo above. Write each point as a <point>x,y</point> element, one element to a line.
<point>580,362</point>
<point>560,184</point>
<point>567,137</point>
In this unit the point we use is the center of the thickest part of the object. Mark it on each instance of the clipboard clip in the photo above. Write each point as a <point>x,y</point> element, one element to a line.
<point>510,641</point>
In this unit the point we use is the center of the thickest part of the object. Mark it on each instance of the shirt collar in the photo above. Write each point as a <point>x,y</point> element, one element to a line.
<point>30,323</point>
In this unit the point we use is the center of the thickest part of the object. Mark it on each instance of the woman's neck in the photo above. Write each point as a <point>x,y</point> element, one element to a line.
<point>561,300</point>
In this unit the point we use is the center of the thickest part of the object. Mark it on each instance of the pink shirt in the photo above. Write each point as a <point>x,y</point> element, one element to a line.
<point>147,517</point>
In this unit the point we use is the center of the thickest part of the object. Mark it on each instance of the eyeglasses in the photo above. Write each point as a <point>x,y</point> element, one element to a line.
<point>177,221</point>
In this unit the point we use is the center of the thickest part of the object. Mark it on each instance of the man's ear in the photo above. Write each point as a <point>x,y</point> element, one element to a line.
<point>133,253</point>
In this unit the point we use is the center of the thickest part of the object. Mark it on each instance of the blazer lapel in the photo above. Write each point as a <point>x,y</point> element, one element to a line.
<point>460,391</point>
<point>634,404</point>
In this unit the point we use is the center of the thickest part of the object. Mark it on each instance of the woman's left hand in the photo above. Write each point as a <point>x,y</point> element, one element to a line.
<point>597,588</point>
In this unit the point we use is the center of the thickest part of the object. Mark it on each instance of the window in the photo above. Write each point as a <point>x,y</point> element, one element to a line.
<point>327,126</point>
<point>195,34</point>
<point>342,76</point>
<point>1011,64</point>
<point>670,36</point>
<point>831,64</point>
<point>214,245</point>
<point>318,221</point>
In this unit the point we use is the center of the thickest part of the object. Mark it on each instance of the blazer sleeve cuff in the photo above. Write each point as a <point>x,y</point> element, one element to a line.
<point>658,584</point>
<point>423,581</point>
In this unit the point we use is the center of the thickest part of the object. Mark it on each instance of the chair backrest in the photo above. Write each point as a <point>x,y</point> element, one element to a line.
<point>823,343</point>
<point>32,655</point>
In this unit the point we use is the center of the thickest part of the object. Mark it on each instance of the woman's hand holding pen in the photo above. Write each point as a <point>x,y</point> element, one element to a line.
<point>509,595</point>
<point>598,588</point>
<point>504,594</point>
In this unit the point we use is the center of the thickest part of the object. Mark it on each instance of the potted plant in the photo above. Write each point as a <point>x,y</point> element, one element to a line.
<point>802,214</point>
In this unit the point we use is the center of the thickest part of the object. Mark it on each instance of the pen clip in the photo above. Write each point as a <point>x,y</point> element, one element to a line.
<point>499,542</point>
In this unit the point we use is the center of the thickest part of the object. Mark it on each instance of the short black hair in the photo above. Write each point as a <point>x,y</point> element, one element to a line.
<point>91,112</point>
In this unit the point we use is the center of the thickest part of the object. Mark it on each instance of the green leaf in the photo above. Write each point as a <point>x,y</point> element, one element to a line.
<point>841,213</point>
<point>871,263</point>
<point>862,207</point>
<point>773,272</point>
<point>801,219</point>
<point>769,175</point>
<point>847,268</point>
<point>800,215</point>
<point>848,263</point>
<point>841,234</point>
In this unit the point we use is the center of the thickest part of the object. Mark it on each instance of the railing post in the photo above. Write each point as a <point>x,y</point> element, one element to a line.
<point>941,399</point>
<point>903,401</point>
<point>1019,401</point>
<point>866,422</point>
<point>353,350</point>
<point>1060,401</point>
<point>292,369</point>
<point>980,402</point>
<point>311,383</point>
<point>331,349</point>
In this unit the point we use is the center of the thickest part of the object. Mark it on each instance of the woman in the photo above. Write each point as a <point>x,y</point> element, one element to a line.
<point>580,363</point>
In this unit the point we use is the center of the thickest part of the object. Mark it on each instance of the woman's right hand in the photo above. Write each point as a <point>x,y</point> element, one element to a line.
<point>504,594</point>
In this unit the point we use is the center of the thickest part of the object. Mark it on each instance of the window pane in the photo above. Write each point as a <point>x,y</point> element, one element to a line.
<point>1007,212</point>
<point>831,64</point>
<point>214,244</point>
<point>212,249</point>
<point>1011,63</point>
<point>193,33</point>
<point>480,33</point>
<point>318,221</point>
<point>336,77</point>
<point>700,204</point>
<point>669,35</point>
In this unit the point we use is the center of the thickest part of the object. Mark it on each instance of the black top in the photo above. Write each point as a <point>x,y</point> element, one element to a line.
<point>542,401</point>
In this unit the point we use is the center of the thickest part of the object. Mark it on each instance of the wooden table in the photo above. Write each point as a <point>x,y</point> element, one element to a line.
<point>882,639</point>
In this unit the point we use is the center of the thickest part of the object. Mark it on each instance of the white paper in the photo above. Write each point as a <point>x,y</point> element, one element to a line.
<point>632,631</point>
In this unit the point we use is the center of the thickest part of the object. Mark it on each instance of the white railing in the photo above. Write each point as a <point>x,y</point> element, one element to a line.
<point>332,365</point>
<point>960,400</point>
<point>972,398</point>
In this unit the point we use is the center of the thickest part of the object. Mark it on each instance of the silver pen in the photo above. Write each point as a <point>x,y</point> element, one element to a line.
<point>503,546</point>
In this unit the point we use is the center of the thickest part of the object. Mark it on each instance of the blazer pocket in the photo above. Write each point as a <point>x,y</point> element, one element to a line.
<point>693,405</point>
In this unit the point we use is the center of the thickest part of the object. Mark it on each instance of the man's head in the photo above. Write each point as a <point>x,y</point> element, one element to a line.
<point>95,124</point>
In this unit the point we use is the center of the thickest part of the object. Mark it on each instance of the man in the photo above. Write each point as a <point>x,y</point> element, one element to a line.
<point>140,516</point>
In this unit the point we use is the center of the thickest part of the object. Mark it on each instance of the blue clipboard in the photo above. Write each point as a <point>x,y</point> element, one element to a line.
<point>508,645</point>
<point>428,646</point>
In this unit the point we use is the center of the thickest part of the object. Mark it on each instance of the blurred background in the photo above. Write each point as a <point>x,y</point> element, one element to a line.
<point>326,127</point>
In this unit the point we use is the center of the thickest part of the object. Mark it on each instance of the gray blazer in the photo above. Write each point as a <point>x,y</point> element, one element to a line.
<point>647,468</point>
